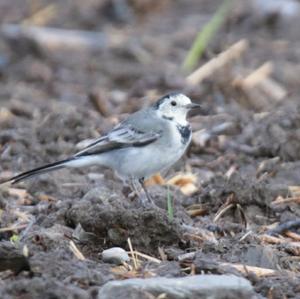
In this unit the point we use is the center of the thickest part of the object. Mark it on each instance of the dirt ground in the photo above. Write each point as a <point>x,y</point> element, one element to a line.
<point>243,208</point>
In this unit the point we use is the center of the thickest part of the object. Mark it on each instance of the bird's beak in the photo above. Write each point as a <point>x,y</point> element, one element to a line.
<point>192,106</point>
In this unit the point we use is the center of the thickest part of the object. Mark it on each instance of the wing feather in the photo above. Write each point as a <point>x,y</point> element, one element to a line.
<point>120,137</point>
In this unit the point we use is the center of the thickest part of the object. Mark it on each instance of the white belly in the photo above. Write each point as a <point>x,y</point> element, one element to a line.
<point>144,161</point>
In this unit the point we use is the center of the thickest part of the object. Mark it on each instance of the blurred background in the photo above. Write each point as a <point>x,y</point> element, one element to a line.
<point>122,50</point>
<point>106,58</point>
<point>72,69</point>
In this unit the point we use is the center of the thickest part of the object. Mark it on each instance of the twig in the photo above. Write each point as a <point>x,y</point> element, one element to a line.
<point>209,68</point>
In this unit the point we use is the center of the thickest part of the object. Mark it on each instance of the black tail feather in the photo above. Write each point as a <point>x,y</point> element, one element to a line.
<point>38,170</point>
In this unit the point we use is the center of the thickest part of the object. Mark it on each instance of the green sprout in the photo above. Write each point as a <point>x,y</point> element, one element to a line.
<point>14,239</point>
<point>206,35</point>
<point>170,204</point>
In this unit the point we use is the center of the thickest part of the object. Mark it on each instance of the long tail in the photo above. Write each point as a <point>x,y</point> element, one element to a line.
<point>40,170</point>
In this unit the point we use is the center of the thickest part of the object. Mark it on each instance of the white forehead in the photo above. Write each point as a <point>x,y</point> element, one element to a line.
<point>180,98</point>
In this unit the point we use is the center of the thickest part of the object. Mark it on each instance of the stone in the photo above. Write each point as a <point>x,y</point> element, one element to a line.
<point>191,287</point>
<point>115,255</point>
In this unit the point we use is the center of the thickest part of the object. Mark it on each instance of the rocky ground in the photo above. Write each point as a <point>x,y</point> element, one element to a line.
<point>231,207</point>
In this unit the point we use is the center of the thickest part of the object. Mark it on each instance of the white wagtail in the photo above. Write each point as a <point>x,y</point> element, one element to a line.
<point>148,141</point>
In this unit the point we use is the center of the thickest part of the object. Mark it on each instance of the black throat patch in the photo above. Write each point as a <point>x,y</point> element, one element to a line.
<point>185,132</point>
<point>168,118</point>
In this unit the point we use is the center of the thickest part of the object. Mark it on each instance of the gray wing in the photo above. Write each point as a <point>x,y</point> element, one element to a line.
<point>124,135</point>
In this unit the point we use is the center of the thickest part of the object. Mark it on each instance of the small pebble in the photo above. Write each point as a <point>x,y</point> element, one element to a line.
<point>115,255</point>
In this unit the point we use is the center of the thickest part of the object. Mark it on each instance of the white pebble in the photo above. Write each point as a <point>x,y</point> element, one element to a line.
<point>115,255</point>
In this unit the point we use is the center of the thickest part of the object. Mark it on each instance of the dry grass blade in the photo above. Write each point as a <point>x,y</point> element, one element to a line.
<point>245,269</point>
<point>243,214</point>
<point>250,232</point>
<point>273,89</point>
<point>156,179</point>
<point>209,68</point>
<point>256,77</point>
<point>48,198</point>
<point>197,212</point>
<point>231,171</point>
<point>201,236</point>
<point>162,254</point>
<point>5,114</point>
<point>280,200</point>
<point>133,256</point>
<point>20,193</point>
<point>22,216</point>
<point>271,239</point>
<point>42,16</point>
<point>100,103</point>
<point>185,181</point>
<point>295,191</point>
<point>13,228</point>
<point>124,271</point>
<point>283,227</point>
<point>145,256</point>
<point>25,251</point>
<point>221,212</point>
<point>76,251</point>
<point>292,235</point>
<point>193,237</point>
<point>55,39</point>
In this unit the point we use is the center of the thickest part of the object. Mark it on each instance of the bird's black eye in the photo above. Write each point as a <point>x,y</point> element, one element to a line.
<point>173,103</point>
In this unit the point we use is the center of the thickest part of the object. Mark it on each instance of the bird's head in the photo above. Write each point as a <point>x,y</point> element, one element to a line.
<point>174,106</point>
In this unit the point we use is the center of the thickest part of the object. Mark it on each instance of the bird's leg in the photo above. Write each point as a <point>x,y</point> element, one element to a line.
<point>142,182</point>
<point>134,188</point>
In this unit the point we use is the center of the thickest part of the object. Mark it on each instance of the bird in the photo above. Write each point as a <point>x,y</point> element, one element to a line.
<point>147,142</point>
